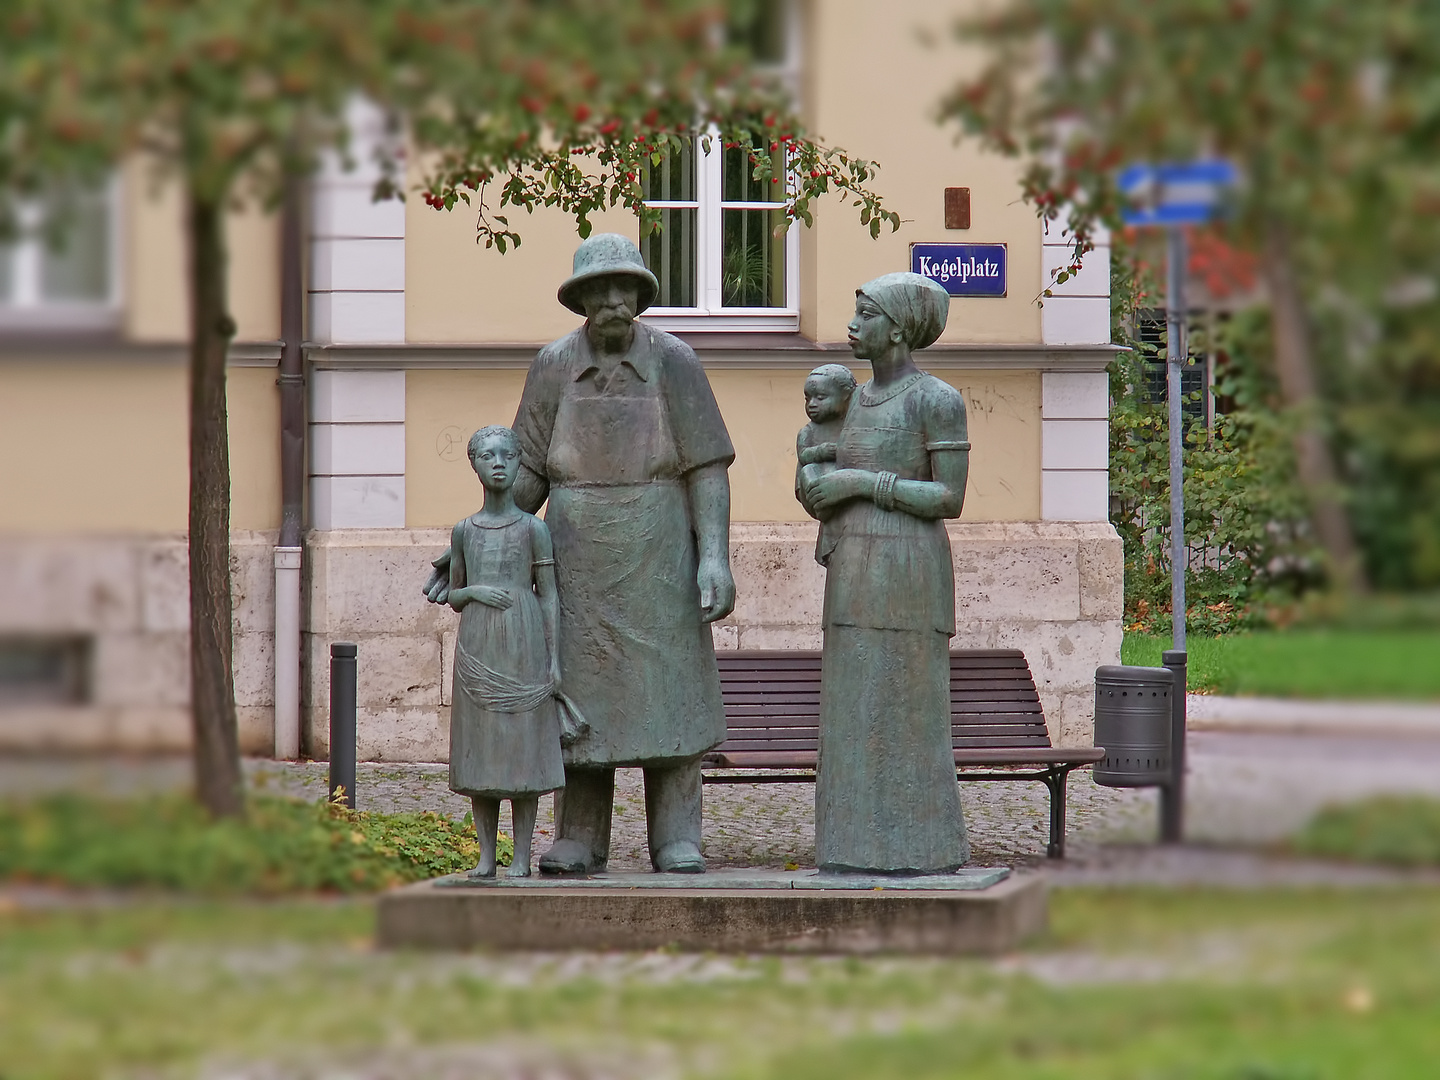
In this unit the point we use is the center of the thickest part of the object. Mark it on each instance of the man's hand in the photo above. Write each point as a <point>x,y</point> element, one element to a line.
<point>717,590</point>
<point>437,585</point>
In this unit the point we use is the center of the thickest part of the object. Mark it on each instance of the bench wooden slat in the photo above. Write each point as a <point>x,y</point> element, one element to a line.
<point>962,714</point>
<point>988,689</point>
<point>748,693</point>
<point>777,723</point>
<point>1055,755</point>
<point>769,677</point>
<point>997,731</point>
<point>1084,755</point>
<point>730,658</point>
<point>991,686</point>
<point>970,712</point>
<point>969,715</point>
<point>758,760</point>
<point>783,697</point>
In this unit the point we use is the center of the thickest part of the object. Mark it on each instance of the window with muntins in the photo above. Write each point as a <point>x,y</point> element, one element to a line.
<point>723,257</point>
<point>721,249</point>
<point>60,272</point>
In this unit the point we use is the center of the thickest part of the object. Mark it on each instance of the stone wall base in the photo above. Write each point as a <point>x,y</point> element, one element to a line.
<point>1053,589</point>
<point>129,597</point>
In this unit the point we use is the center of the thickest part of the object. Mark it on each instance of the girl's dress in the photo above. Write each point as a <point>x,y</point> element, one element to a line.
<point>504,719</point>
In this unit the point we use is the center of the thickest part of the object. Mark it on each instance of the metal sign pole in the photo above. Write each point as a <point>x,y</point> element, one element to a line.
<point>1176,356</point>
<point>1173,196</point>
<point>1172,793</point>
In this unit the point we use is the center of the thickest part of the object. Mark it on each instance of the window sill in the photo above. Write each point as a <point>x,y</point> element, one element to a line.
<point>59,319</point>
<point>742,321</point>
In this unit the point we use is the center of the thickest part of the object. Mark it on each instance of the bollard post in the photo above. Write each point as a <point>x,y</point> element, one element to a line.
<point>1172,795</point>
<point>342,720</point>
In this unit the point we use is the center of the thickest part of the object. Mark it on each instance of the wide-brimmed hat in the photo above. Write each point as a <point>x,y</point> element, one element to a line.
<point>608,253</point>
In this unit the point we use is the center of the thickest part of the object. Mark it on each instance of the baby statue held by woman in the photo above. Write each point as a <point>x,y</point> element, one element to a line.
<point>829,390</point>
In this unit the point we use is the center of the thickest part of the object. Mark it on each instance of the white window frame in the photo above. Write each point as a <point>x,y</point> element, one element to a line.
<point>710,313</point>
<point>26,309</point>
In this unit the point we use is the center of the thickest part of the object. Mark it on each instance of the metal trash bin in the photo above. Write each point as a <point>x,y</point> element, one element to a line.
<point>1133,722</point>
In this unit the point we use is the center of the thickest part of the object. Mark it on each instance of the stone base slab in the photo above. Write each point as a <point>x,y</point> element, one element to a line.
<point>966,878</point>
<point>715,916</point>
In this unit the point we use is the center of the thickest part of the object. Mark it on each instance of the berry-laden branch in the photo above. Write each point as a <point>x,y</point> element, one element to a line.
<point>604,167</point>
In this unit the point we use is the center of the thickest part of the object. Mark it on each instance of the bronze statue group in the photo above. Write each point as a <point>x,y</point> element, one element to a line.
<point>584,641</point>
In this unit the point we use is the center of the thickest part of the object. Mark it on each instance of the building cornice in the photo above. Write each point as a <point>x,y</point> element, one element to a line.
<point>109,347</point>
<point>721,351</point>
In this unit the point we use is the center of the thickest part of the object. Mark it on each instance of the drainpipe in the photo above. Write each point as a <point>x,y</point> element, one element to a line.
<point>289,552</point>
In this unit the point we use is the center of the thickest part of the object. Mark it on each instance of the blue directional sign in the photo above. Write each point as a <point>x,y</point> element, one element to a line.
<point>964,269</point>
<point>1175,194</point>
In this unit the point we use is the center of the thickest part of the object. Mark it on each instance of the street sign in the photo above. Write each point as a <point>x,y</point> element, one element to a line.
<point>1175,194</point>
<point>963,269</point>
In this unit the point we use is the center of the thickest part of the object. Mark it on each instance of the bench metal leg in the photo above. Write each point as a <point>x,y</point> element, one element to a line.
<point>1055,781</point>
<point>1054,777</point>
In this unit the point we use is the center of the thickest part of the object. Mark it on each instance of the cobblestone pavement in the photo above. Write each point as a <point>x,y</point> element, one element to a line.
<point>759,825</point>
<point>1245,791</point>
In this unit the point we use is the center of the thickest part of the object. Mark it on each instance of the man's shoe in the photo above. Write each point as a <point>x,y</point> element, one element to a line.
<point>679,857</point>
<point>567,857</point>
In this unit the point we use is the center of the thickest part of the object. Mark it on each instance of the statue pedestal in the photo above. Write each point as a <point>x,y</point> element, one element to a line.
<point>972,911</point>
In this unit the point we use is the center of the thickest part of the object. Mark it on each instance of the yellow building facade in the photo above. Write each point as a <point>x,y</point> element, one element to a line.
<point>416,336</point>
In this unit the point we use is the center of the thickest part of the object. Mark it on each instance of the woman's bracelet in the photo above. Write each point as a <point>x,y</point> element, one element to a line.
<point>885,490</point>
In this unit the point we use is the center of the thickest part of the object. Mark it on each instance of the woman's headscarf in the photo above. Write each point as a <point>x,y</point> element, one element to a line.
<point>916,304</point>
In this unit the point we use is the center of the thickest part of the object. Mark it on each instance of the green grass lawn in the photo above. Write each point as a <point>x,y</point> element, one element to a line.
<point>1277,985</point>
<point>280,846</point>
<point>1306,663</point>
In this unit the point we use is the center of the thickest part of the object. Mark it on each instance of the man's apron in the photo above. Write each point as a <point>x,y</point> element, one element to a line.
<point>634,655</point>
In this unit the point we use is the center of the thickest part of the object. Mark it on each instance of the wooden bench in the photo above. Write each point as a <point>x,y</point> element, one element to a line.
<point>772,710</point>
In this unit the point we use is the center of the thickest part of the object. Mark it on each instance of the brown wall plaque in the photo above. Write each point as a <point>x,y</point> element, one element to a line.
<point>957,208</point>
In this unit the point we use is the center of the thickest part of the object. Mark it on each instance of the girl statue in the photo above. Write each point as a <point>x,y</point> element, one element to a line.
<point>886,799</point>
<point>507,717</point>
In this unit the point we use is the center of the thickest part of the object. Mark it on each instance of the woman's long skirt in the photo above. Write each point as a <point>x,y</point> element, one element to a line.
<point>886,799</point>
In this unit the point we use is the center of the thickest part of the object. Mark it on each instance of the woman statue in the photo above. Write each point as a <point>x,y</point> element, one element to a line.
<point>886,799</point>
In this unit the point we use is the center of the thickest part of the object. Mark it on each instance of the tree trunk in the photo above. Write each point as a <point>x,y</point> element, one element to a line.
<point>1295,366</point>
<point>217,746</point>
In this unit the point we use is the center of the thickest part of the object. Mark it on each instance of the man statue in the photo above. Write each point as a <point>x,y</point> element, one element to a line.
<point>619,429</point>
